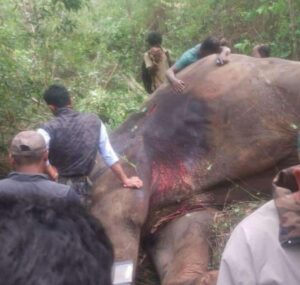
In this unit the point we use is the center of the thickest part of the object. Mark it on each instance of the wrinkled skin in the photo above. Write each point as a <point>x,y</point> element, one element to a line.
<point>222,140</point>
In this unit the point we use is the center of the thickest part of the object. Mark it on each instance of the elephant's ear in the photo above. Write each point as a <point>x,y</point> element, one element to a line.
<point>146,77</point>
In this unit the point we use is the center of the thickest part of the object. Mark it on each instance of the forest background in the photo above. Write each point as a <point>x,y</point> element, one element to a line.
<point>95,48</point>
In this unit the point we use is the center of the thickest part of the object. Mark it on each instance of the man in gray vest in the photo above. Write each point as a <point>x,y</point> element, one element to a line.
<point>28,156</point>
<point>74,140</point>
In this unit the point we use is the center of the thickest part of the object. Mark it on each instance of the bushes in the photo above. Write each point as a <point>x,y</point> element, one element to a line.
<point>112,107</point>
<point>95,48</point>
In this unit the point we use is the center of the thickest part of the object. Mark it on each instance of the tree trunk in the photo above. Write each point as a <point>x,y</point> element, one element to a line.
<point>293,29</point>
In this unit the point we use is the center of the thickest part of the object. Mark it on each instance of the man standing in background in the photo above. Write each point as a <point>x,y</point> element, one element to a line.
<point>156,63</point>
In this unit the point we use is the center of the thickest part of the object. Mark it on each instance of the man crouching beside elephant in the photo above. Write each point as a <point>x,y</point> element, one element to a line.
<point>74,140</point>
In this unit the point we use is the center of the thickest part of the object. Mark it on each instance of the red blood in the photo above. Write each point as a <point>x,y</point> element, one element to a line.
<point>152,109</point>
<point>166,178</point>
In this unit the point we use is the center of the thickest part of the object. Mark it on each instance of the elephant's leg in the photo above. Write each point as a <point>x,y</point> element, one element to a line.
<point>181,252</point>
<point>122,213</point>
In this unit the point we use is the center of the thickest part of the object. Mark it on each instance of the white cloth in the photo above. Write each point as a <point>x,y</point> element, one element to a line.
<point>254,256</point>
<point>105,148</point>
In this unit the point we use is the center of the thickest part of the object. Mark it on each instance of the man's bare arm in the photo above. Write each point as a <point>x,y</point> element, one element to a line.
<point>51,172</point>
<point>176,83</point>
<point>128,182</point>
<point>223,56</point>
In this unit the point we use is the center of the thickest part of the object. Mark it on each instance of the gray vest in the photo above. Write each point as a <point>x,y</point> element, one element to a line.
<point>74,141</point>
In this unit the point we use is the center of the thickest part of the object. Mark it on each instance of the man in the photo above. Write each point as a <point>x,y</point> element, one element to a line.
<point>74,140</point>
<point>209,46</point>
<point>264,248</point>
<point>28,155</point>
<point>51,241</point>
<point>261,51</point>
<point>155,64</point>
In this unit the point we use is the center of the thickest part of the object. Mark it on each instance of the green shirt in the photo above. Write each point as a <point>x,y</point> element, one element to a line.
<point>188,57</point>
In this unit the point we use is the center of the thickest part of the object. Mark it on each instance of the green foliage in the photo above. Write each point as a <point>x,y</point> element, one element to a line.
<point>70,4</point>
<point>95,47</point>
<point>112,107</point>
<point>244,46</point>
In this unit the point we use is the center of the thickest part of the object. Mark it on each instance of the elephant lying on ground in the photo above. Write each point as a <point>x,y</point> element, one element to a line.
<point>222,140</point>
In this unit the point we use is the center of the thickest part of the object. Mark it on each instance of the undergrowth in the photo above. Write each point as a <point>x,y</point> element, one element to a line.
<point>224,222</point>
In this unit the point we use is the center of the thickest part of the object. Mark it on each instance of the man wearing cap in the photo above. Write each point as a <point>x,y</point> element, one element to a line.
<point>74,140</point>
<point>28,155</point>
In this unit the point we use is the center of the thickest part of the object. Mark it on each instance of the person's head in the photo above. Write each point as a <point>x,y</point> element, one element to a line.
<point>154,39</point>
<point>57,96</point>
<point>51,241</point>
<point>209,46</point>
<point>224,42</point>
<point>261,51</point>
<point>28,151</point>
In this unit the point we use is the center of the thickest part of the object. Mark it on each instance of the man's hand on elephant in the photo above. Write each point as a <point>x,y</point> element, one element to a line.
<point>223,56</point>
<point>133,182</point>
<point>128,182</point>
<point>178,85</point>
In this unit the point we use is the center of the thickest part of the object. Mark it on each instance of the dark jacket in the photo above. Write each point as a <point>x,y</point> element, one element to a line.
<point>74,141</point>
<point>22,183</point>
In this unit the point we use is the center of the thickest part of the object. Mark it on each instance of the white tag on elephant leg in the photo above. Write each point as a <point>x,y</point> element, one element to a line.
<point>123,272</point>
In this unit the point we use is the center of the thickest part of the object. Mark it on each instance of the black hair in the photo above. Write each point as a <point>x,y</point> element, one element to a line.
<point>51,241</point>
<point>57,95</point>
<point>264,50</point>
<point>154,38</point>
<point>210,45</point>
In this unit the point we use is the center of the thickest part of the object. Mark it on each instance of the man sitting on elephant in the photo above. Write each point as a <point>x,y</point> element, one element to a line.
<point>74,140</point>
<point>209,46</point>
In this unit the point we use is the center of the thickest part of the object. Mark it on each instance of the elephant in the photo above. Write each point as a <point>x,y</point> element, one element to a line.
<point>222,140</point>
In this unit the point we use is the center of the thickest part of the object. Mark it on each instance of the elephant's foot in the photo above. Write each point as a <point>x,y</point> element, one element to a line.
<point>181,250</point>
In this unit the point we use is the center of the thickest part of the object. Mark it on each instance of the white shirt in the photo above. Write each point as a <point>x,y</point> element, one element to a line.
<point>254,255</point>
<point>104,147</point>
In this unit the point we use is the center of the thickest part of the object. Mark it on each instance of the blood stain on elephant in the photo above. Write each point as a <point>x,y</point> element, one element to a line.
<point>165,178</point>
<point>173,140</point>
<point>151,109</point>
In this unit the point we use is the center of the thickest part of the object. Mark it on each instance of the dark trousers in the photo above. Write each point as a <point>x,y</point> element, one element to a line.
<point>83,184</point>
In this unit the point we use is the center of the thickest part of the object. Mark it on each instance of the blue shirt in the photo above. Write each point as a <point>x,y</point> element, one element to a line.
<point>188,57</point>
